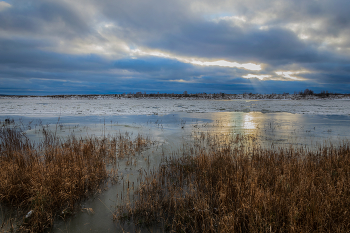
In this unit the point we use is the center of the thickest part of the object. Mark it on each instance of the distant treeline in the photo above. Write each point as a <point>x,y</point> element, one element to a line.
<point>307,93</point>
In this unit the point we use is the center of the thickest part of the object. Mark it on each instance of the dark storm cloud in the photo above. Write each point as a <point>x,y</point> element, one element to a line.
<point>220,40</point>
<point>191,35</point>
<point>26,54</point>
<point>147,16</point>
<point>333,15</point>
<point>151,64</point>
<point>44,18</point>
<point>170,70</point>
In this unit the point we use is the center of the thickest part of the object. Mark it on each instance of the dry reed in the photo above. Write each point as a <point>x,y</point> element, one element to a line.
<point>222,186</point>
<point>48,180</point>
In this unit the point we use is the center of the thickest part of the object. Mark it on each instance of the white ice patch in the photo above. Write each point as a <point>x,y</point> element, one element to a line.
<point>42,106</point>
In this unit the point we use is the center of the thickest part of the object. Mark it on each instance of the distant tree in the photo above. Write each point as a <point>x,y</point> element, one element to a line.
<point>324,94</point>
<point>308,92</point>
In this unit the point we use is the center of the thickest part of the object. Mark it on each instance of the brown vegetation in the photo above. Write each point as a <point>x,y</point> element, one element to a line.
<point>48,180</point>
<point>227,187</point>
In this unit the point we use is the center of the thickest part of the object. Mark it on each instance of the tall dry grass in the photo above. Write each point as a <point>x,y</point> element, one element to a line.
<point>49,179</point>
<point>221,186</point>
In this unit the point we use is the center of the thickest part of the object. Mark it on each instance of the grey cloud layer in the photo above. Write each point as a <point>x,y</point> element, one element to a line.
<point>42,38</point>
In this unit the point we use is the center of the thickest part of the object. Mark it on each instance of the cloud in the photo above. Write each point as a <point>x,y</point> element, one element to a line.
<point>4,5</point>
<point>261,77</point>
<point>200,45</point>
<point>211,40</point>
<point>151,65</point>
<point>197,61</point>
<point>27,54</point>
<point>247,66</point>
<point>292,75</point>
<point>44,18</point>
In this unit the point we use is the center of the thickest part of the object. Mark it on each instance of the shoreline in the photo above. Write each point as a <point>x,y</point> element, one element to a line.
<point>200,96</point>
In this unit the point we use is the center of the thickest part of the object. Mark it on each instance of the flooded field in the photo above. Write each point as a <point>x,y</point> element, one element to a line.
<point>170,135</point>
<point>276,128</point>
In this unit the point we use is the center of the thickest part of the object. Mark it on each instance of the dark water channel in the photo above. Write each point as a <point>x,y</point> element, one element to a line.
<point>172,133</point>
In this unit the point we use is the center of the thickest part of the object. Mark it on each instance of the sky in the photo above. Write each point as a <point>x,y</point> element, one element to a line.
<point>52,47</point>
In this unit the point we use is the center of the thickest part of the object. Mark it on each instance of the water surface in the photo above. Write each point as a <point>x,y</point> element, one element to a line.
<point>171,133</point>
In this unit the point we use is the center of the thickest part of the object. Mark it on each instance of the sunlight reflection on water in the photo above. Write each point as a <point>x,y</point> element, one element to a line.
<point>172,131</point>
<point>249,122</point>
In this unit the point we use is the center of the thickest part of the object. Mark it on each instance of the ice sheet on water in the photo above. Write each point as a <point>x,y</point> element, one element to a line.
<point>70,107</point>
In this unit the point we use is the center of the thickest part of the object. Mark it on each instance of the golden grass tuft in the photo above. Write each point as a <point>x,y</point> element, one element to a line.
<point>228,188</point>
<point>48,180</point>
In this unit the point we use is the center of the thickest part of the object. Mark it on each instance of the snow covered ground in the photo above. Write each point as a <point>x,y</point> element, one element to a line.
<point>45,106</point>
